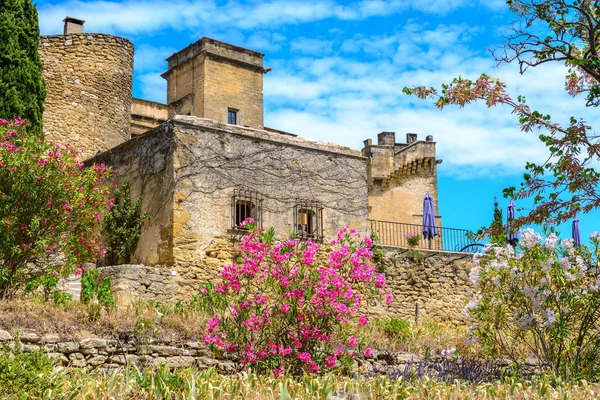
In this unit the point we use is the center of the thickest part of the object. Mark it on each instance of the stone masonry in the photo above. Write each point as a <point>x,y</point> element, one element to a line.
<point>187,170</point>
<point>88,82</point>
<point>209,78</point>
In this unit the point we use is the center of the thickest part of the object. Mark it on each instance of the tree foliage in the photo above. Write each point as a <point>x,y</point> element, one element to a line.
<point>21,83</point>
<point>566,182</point>
<point>123,226</point>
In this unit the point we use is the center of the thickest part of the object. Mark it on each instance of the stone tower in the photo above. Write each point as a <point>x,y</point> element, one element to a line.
<point>218,81</point>
<point>88,82</point>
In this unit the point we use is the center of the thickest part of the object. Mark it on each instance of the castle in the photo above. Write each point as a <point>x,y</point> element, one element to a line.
<point>205,161</point>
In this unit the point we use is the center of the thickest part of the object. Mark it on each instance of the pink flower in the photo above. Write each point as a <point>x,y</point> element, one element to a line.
<point>380,281</point>
<point>368,352</point>
<point>352,341</point>
<point>279,371</point>
<point>363,320</point>
<point>305,357</point>
<point>68,207</point>
<point>284,308</point>
<point>330,361</point>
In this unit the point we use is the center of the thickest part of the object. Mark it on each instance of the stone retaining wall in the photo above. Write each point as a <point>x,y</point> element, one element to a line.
<point>97,352</point>
<point>436,281</point>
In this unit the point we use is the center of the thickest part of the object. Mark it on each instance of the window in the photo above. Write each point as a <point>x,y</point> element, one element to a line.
<point>308,219</point>
<point>232,116</point>
<point>245,204</point>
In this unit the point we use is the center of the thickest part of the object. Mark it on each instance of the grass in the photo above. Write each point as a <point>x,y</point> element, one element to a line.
<point>75,320</point>
<point>162,383</point>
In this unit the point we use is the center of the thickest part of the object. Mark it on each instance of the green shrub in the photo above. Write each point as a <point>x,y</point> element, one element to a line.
<point>123,227</point>
<point>92,287</point>
<point>397,328</point>
<point>25,375</point>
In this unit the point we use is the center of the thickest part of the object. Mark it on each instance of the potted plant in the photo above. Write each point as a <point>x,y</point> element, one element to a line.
<point>412,239</point>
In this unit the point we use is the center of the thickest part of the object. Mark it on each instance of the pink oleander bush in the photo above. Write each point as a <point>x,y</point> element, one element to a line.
<point>284,310</point>
<point>542,301</point>
<point>50,210</point>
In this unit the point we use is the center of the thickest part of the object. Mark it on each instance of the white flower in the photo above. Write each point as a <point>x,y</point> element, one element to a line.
<point>551,241</point>
<point>565,263</point>
<point>569,246</point>
<point>448,352</point>
<point>471,340</point>
<point>529,238</point>
<point>474,275</point>
<point>595,235</point>
<point>569,277</point>
<point>525,321</point>
<point>550,317</point>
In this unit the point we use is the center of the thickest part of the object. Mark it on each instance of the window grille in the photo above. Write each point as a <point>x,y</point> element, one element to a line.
<point>245,203</point>
<point>308,219</point>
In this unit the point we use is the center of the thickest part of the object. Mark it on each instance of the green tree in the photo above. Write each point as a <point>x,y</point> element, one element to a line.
<point>21,83</point>
<point>497,228</point>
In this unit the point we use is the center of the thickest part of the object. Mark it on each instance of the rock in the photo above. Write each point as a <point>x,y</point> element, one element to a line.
<point>68,347</point>
<point>92,343</point>
<point>5,336</point>
<point>180,361</point>
<point>77,360</point>
<point>68,42</point>
<point>50,338</point>
<point>97,360</point>
<point>29,337</point>
<point>167,350</point>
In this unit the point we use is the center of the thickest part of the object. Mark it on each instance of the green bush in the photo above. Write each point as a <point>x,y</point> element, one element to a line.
<point>92,287</point>
<point>123,227</point>
<point>25,375</point>
<point>397,328</point>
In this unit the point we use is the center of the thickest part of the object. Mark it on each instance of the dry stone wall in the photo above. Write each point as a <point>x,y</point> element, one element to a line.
<point>88,82</point>
<point>435,281</point>
<point>102,352</point>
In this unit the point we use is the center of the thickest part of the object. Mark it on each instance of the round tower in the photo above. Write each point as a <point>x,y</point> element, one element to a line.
<point>88,82</point>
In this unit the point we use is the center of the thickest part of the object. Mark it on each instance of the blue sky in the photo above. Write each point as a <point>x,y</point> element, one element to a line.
<point>338,69</point>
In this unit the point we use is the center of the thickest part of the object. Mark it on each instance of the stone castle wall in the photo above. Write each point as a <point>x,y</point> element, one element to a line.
<point>88,81</point>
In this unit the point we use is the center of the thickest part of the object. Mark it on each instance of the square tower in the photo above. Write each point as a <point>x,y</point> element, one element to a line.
<point>218,81</point>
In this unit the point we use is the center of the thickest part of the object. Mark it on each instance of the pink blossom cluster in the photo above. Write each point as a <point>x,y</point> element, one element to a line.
<point>289,308</point>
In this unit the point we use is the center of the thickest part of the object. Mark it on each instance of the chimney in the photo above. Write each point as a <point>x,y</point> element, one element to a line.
<point>73,25</point>
<point>386,139</point>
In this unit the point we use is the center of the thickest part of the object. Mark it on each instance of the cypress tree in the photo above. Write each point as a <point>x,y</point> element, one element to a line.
<point>22,89</point>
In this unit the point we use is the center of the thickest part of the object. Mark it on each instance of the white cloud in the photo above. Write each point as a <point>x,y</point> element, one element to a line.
<point>312,46</point>
<point>133,17</point>
<point>348,101</point>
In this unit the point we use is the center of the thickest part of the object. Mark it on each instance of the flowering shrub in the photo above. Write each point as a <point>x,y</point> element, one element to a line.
<point>49,209</point>
<point>285,310</point>
<point>543,302</point>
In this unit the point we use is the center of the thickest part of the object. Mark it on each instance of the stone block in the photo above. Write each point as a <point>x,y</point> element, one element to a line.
<point>68,347</point>
<point>5,336</point>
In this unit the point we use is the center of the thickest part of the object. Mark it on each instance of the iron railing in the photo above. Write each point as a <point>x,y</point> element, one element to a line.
<point>448,239</point>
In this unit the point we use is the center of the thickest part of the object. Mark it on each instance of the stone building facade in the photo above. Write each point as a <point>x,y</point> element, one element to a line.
<point>200,180</point>
<point>88,83</point>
